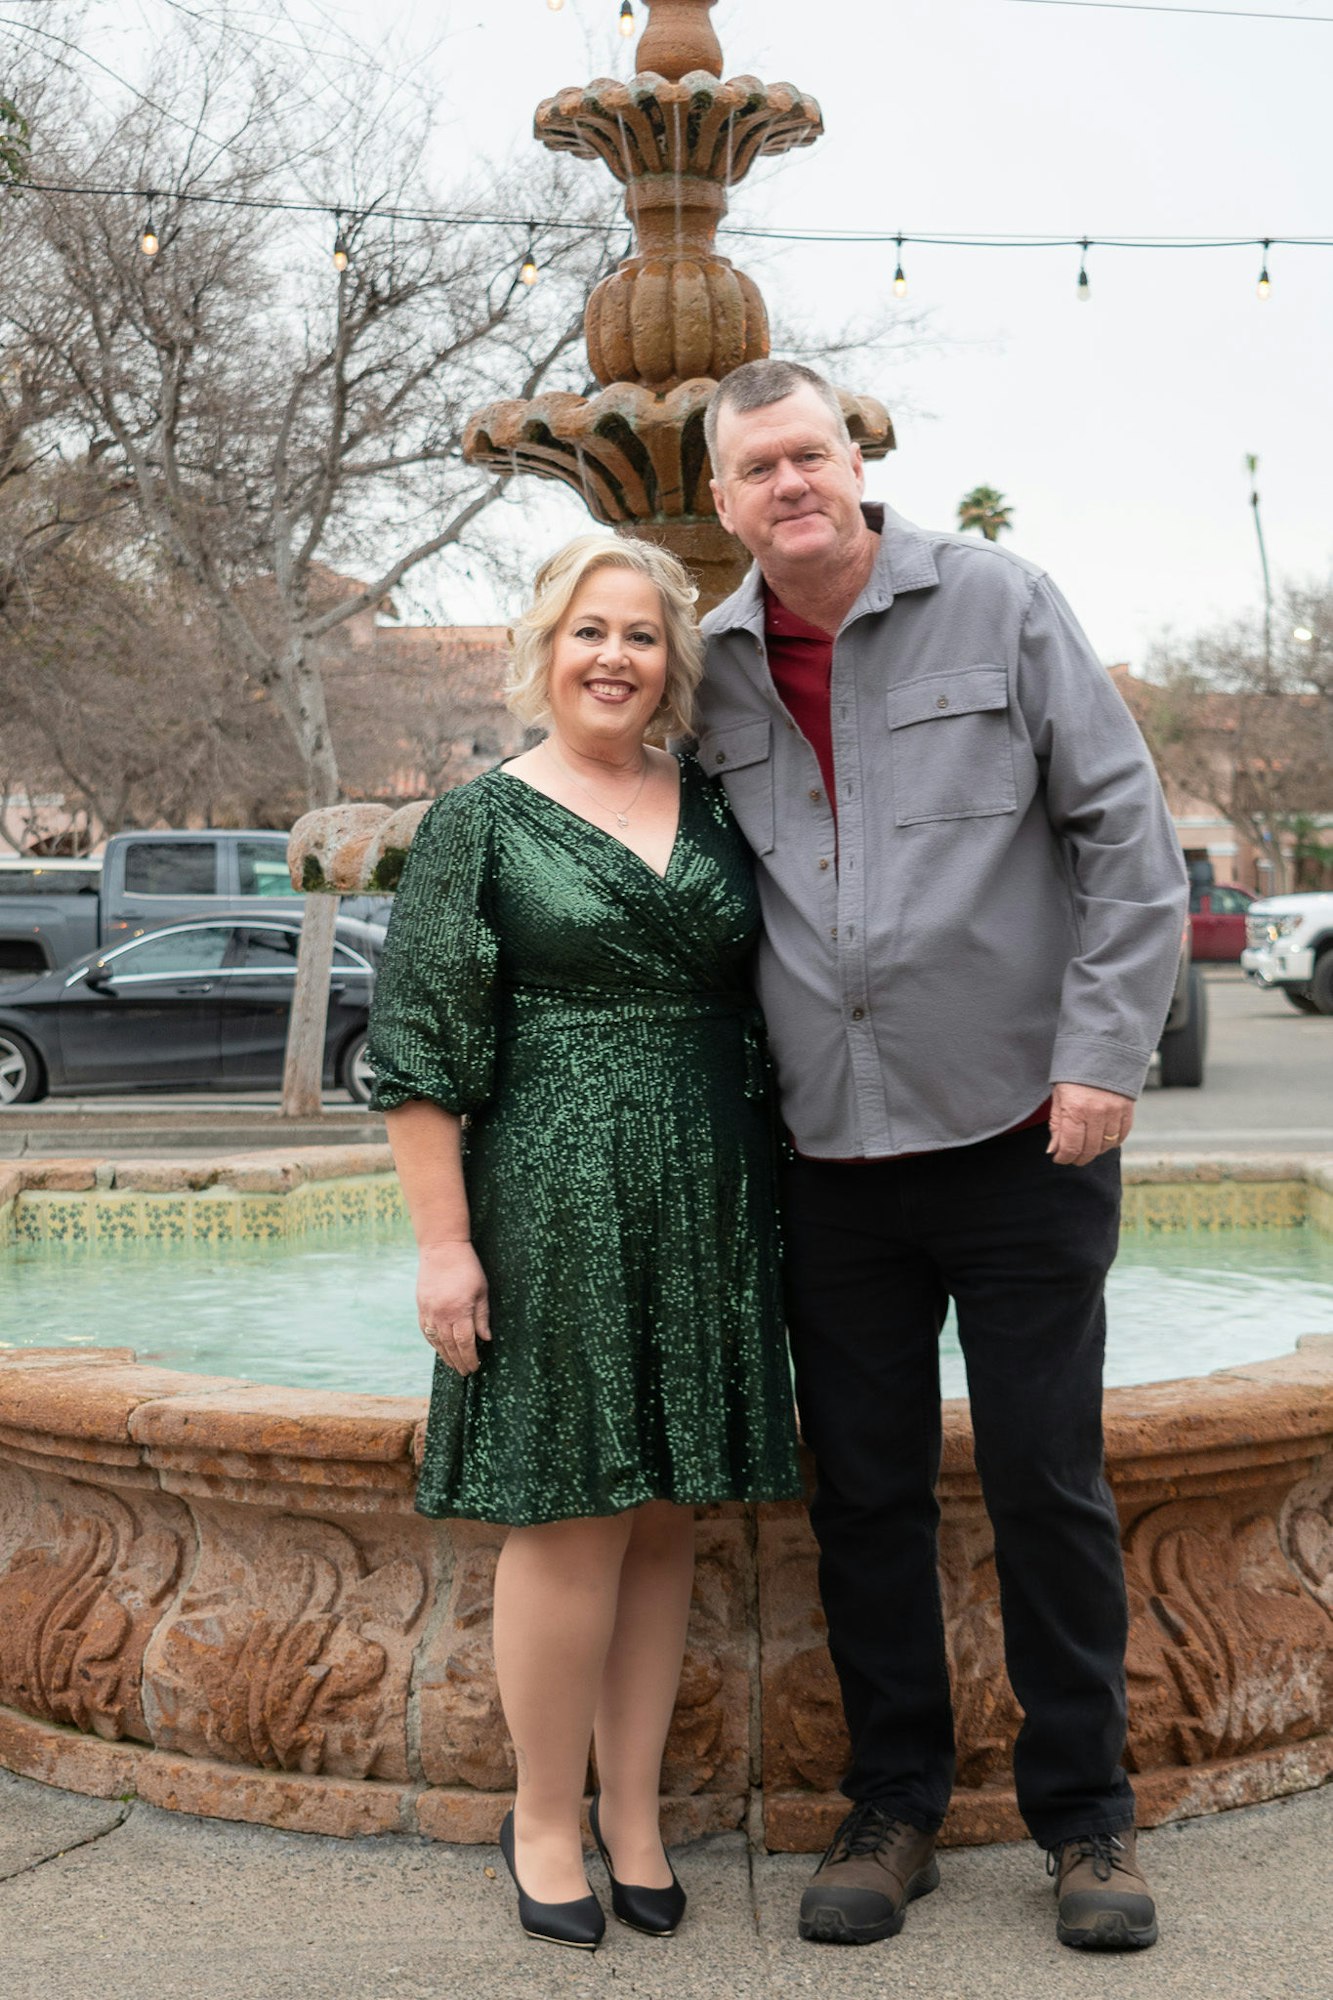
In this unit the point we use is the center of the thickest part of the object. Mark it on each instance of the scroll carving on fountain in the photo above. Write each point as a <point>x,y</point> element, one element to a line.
<point>664,328</point>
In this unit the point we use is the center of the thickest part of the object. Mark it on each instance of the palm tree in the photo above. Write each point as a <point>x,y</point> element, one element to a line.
<point>987,510</point>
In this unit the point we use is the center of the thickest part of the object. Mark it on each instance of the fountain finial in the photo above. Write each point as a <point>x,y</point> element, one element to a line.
<point>679,39</point>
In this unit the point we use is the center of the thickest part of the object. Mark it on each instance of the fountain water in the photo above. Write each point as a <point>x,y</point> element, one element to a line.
<point>675,317</point>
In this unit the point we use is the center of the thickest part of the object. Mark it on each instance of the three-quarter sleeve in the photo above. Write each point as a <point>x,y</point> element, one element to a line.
<point>432,1023</point>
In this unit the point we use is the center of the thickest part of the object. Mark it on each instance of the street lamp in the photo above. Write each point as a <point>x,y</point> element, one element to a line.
<point>1252,467</point>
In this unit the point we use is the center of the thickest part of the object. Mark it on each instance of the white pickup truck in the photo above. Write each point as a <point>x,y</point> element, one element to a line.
<point>1289,945</point>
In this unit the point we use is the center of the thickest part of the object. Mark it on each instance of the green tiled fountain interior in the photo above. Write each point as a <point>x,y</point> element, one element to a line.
<point>213,1215</point>
<point>1155,1207</point>
<point>210,1215</point>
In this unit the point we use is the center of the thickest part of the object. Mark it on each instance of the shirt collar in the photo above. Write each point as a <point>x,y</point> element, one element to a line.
<point>904,561</point>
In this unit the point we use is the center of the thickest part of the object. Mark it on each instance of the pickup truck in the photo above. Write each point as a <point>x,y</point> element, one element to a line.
<point>1290,947</point>
<point>52,912</point>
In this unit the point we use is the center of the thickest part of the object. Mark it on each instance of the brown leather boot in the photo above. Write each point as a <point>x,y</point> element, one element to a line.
<point>872,1871</point>
<point>1104,1902</point>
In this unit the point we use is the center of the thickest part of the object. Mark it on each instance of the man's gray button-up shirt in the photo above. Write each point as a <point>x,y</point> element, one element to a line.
<point>1009,895</point>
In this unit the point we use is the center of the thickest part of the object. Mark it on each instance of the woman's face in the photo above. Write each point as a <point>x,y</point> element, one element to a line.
<point>608,660</point>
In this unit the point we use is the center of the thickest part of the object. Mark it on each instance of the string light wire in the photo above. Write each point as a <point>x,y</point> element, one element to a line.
<point>528,272</point>
<point>759,232</point>
<point>1153,7</point>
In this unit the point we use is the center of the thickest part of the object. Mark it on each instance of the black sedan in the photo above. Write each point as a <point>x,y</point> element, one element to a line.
<point>194,1006</point>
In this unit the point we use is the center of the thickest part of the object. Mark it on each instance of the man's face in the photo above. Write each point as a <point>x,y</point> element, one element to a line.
<point>789,484</point>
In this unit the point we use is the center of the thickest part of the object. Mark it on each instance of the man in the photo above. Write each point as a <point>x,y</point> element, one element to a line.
<point>973,903</point>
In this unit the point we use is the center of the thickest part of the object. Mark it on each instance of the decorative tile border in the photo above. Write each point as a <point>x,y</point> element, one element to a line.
<point>75,1204</point>
<point>315,1190</point>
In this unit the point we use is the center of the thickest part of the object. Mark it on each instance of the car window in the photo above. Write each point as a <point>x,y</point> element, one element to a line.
<point>1230,902</point>
<point>39,881</point>
<point>348,960</point>
<point>171,868</point>
<point>168,952</point>
<point>263,868</point>
<point>271,951</point>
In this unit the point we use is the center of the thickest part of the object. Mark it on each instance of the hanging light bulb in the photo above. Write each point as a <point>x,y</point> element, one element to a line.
<point>527,270</point>
<point>626,18</point>
<point>342,256</point>
<point>555,5</point>
<point>899,280</point>
<point>1083,291</point>
<point>1264,287</point>
<point>149,242</point>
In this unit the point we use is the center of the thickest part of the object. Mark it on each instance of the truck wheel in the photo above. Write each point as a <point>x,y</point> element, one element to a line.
<point>1183,1049</point>
<point>358,1078</point>
<point>1321,986</point>
<point>21,1077</point>
<point>1299,998</point>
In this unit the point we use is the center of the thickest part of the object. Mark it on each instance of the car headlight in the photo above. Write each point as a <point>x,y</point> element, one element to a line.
<point>1267,930</point>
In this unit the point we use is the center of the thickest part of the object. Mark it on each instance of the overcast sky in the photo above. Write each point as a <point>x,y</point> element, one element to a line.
<point>1117,428</point>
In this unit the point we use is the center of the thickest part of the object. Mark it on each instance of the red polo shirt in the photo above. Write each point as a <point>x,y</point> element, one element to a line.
<point>800,659</point>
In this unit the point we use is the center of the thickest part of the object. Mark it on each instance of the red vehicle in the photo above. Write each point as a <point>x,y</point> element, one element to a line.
<point>1218,919</point>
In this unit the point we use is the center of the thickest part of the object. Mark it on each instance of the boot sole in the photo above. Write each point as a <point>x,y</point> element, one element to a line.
<point>828,1923</point>
<point>1110,1932</point>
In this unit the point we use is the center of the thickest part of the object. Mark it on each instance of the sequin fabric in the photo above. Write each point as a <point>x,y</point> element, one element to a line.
<point>596,1024</point>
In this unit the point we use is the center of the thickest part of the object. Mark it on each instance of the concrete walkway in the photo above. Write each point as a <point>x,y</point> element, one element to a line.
<point>118,1901</point>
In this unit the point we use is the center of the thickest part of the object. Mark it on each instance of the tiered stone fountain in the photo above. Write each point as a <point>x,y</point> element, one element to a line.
<point>676,317</point>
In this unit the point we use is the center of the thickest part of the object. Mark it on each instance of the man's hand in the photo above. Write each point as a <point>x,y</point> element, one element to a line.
<point>1086,1123</point>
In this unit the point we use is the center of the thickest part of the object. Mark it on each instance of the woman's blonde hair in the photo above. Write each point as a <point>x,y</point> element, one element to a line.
<point>557,583</point>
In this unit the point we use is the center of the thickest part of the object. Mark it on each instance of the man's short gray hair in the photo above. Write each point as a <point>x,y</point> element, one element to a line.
<point>756,384</point>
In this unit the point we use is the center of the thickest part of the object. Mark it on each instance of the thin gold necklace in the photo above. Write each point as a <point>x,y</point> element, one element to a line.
<point>621,818</point>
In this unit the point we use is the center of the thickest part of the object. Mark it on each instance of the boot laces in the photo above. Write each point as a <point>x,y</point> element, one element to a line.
<point>1103,1850</point>
<point>864,1831</point>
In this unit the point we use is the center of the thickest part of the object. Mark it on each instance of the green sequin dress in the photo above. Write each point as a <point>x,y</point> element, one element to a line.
<point>596,1024</point>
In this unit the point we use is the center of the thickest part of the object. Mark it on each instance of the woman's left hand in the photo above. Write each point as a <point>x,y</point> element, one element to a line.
<point>453,1304</point>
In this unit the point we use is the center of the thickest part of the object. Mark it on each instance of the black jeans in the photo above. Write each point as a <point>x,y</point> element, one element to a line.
<point>874,1252</point>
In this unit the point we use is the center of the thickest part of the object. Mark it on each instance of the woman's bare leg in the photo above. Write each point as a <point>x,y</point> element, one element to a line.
<point>555,1611</point>
<point>638,1691</point>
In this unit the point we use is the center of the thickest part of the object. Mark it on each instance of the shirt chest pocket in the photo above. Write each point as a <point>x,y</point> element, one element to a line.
<point>742,756</point>
<point>952,752</point>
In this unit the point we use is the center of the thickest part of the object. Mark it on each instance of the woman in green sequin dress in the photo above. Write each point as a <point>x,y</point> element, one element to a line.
<point>568,968</point>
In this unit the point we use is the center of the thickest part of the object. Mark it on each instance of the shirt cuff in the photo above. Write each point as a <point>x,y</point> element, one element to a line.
<point>1099,1064</point>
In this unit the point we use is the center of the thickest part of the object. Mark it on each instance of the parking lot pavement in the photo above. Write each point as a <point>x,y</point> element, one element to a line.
<point>1268,1080</point>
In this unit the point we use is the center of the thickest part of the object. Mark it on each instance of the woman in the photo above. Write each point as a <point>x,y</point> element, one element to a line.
<point>568,967</point>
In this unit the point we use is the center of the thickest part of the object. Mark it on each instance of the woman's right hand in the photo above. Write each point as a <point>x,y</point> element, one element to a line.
<point>453,1308</point>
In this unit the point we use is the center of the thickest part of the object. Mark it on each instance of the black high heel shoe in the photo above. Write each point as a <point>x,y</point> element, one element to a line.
<point>656,1911</point>
<point>580,1924</point>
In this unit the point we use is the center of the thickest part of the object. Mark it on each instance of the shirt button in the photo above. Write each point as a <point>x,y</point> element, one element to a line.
<point>721,757</point>
<point>815,795</point>
<point>834,932</point>
<point>941,701</point>
<point>858,1013</point>
<point>823,862</point>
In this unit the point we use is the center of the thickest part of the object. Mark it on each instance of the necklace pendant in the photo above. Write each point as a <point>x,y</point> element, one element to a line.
<point>622,819</point>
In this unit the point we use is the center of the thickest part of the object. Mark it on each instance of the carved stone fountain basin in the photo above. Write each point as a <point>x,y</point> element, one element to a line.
<point>216,1594</point>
